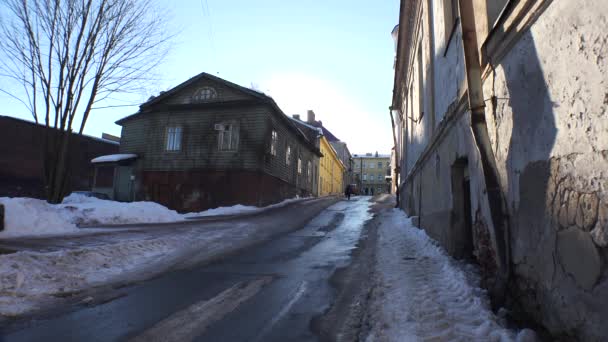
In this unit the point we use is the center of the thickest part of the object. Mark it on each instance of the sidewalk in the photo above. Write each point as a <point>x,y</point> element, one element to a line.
<point>45,272</point>
<point>421,293</point>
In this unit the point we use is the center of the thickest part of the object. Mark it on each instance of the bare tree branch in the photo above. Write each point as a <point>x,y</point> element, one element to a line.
<point>67,55</point>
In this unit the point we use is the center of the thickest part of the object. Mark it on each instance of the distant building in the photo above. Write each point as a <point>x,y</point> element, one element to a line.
<point>22,158</point>
<point>339,146</point>
<point>331,168</point>
<point>208,143</point>
<point>373,172</point>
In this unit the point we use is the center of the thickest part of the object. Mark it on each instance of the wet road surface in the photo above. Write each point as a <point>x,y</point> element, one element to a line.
<point>270,292</point>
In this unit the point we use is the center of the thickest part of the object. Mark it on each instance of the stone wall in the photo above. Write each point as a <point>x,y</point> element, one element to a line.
<point>547,121</point>
<point>546,108</point>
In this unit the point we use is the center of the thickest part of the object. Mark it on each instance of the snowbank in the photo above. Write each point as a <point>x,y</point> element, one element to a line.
<point>242,209</point>
<point>90,210</point>
<point>422,294</point>
<point>33,217</point>
<point>29,216</point>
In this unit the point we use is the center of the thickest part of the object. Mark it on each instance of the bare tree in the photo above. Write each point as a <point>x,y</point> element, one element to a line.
<point>70,54</point>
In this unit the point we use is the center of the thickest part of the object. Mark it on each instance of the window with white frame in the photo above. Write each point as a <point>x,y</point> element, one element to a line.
<point>287,155</point>
<point>371,165</point>
<point>173,138</point>
<point>228,136</point>
<point>365,176</point>
<point>371,177</point>
<point>379,165</point>
<point>274,142</point>
<point>299,166</point>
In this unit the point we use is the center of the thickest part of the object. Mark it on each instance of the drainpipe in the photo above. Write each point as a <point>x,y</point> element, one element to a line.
<point>396,157</point>
<point>479,127</point>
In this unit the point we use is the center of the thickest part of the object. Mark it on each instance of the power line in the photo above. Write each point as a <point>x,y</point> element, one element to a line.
<point>210,34</point>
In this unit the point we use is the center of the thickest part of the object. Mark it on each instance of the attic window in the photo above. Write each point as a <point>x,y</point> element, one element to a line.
<point>204,94</point>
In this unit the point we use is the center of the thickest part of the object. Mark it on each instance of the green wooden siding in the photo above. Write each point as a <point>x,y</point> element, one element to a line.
<point>145,135</point>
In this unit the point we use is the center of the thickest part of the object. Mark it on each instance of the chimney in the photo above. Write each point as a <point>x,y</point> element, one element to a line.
<point>297,117</point>
<point>376,154</point>
<point>311,117</point>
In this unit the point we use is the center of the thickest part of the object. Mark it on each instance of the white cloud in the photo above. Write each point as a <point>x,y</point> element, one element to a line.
<point>344,115</point>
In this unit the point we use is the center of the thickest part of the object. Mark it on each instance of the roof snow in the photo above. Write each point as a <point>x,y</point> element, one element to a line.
<point>318,129</point>
<point>113,158</point>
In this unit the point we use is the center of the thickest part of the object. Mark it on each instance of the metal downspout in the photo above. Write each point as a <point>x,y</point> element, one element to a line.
<point>480,131</point>
<point>396,157</point>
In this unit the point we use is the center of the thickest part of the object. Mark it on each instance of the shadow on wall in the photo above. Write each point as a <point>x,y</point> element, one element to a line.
<point>533,136</point>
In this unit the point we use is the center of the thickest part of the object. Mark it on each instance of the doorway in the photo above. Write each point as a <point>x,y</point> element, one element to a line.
<point>461,222</point>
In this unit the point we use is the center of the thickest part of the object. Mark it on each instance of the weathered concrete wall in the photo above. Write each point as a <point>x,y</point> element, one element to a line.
<point>549,131</point>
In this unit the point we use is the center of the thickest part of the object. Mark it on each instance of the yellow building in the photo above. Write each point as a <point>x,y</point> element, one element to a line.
<point>331,170</point>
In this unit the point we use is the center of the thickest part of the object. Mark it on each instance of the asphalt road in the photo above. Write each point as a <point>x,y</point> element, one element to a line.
<point>270,292</point>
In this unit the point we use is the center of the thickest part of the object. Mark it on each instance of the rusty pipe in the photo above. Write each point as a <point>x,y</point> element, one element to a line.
<point>496,198</point>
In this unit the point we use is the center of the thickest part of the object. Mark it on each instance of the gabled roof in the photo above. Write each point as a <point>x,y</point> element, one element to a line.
<point>201,76</point>
<point>263,98</point>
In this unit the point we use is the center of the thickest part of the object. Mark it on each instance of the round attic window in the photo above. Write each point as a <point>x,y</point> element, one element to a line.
<point>204,94</point>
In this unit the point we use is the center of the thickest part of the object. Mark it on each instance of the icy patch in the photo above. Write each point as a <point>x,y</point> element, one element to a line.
<point>29,278</point>
<point>422,294</point>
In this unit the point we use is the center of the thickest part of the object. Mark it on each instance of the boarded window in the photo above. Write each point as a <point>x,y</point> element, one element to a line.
<point>174,138</point>
<point>274,142</point>
<point>228,136</point>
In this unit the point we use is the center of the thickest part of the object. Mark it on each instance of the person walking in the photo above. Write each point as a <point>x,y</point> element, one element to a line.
<point>347,192</point>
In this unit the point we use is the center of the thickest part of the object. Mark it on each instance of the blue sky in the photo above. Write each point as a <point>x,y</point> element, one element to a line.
<point>334,57</point>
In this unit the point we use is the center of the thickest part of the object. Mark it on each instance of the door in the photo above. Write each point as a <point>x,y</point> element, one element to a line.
<point>123,186</point>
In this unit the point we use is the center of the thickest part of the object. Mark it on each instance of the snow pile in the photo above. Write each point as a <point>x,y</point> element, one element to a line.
<point>243,209</point>
<point>29,216</point>
<point>113,158</point>
<point>233,210</point>
<point>421,293</point>
<point>80,209</point>
<point>34,217</point>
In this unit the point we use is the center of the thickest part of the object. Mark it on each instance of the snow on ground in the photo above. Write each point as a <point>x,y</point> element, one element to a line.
<point>29,279</point>
<point>422,294</point>
<point>242,209</point>
<point>33,217</point>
